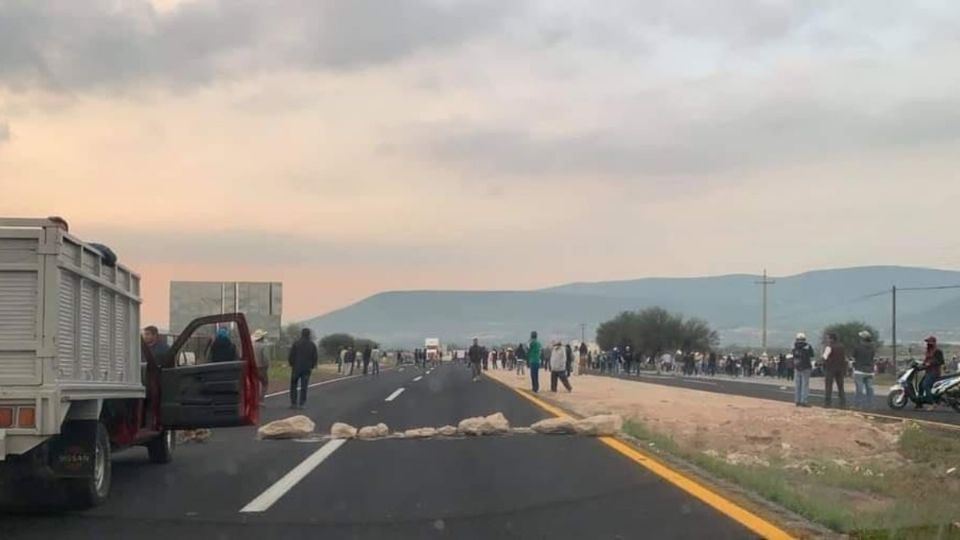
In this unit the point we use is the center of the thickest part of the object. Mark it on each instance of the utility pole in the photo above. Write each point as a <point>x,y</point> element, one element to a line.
<point>583,330</point>
<point>893,328</point>
<point>764,283</point>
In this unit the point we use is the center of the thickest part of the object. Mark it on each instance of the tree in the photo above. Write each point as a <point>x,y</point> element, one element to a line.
<point>361,343</point>
<point>848,333</point>
<point>290,334</point>
<point>332,344</point>
<point>655,330</point>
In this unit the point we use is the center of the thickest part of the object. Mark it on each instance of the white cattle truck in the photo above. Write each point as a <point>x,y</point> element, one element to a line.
<point>77,382</point>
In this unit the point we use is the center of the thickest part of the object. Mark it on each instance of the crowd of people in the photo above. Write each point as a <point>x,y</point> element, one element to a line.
<point>834,363</point>
<point>564,360</point>
<point>561,360</point>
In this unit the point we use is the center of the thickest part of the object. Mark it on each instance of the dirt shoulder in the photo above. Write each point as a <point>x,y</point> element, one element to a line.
<point>843,469</point>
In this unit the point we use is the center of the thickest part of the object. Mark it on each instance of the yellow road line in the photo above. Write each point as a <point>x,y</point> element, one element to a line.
<point>912,419</point>
<point>720,503</point>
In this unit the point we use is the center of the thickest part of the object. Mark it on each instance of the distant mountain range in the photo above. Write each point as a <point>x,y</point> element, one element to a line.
<point>730,303</point>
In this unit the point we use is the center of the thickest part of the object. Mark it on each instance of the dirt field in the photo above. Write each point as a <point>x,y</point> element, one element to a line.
<point>738,429</point>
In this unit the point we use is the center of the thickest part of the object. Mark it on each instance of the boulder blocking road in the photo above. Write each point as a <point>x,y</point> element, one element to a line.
<point>514,486</point>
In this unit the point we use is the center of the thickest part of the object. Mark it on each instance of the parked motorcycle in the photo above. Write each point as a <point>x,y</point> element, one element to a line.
<point>945,389</point>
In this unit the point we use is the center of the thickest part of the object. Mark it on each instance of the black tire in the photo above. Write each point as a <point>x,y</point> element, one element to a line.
<point>161,448</point>
<point>897,399</point>
<point>93,491</point>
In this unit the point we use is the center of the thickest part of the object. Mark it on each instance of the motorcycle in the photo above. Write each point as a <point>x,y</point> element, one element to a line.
<point>945,389</point>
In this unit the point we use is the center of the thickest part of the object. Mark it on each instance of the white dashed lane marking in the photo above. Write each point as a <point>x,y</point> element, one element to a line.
<point>394,395</point>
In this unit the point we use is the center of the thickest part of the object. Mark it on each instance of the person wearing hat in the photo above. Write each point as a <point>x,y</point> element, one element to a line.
<point>932,364</point>
<point>803,364</point>
<point>264,355</point>
<point>863,369</point>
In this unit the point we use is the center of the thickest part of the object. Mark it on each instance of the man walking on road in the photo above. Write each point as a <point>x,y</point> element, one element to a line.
<point>558,367</point>
<point>264,354</point>
<point>366,358</point>
<point>863,366</point>
<point>375,355</point>
<point>834,370</point>
<point>475,354</point>
<point>302,360</point>
<point>534,350</point>
<point>803,359</point>
<point>341,359</point>
<point>582,364</point>
<point>351,358</point>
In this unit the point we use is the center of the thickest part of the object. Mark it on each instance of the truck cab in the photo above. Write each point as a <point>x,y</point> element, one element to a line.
<point>76,380</point>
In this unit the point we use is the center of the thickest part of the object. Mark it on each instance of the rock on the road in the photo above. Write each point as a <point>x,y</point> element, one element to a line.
<point>555,426</point>
<point>373,432</point>
<point>339,430</point>
<point>494,424</point>
<point>287,428</point>
<point>601,425</point>
<point>447,431</point>
<point>419,433</point>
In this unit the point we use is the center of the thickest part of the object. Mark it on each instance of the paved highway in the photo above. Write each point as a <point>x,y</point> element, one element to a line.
<point>783,391</point>
<point>520,486</point>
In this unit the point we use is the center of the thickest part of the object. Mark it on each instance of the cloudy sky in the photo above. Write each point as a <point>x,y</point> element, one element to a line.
<point>347,147</point>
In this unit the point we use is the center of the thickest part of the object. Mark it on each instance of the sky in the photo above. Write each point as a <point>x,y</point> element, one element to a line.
<point>355,146</point>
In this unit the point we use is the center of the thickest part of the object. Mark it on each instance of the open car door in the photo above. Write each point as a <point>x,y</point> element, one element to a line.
<point>205,384</point>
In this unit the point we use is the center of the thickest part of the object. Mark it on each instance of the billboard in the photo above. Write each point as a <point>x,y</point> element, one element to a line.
<point>261,302</point>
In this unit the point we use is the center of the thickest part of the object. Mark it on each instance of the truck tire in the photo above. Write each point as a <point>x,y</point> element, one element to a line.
<point>93,491</point>
<point>161,448</point>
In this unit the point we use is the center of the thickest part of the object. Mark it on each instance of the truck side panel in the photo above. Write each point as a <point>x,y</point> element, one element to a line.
<point>98,318</point>
<point>20,321</point>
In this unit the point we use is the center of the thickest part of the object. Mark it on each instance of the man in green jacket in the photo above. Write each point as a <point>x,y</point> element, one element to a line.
<point>533,358</point>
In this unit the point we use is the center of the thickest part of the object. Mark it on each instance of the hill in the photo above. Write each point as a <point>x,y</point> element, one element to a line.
<point>731,303</point>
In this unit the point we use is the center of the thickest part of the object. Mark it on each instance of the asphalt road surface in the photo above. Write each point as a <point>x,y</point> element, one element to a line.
<point>519,486</point>
<point>784,391</point>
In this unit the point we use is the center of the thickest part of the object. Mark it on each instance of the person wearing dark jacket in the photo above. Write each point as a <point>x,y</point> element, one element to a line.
<point>569,353</point>
<point>223,350</point>
<point>302,359</point>
<point>863,365</point>
<point>932,364</point>
<point>803,362</point>
<point>834,370</point>
<point>366,358</point>
<point>476,356</point>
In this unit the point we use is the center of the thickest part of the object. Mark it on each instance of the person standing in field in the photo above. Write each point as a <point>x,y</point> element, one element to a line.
<point>834,370</point>
<point>264,355</point>
<point>534,350</point>
<point>558,367</point>
<point>475,354</point>
<point>302,359</point>
<point>803,364</point>
<point>863,368</point>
